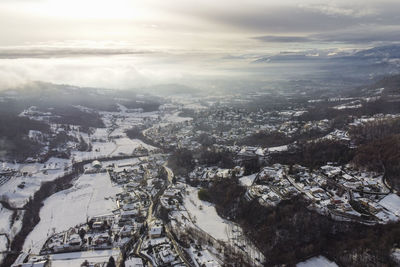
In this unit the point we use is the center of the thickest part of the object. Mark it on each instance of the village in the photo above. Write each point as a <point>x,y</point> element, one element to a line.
<point>140,184</point>
<point>339,192</point>
<point>125,202</point>
<point>130,230</point>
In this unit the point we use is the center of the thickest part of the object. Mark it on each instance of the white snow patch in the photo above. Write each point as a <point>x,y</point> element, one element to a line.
<point>396,255</point>
<point>205,215</point>
<point>5,219</point>
<point>319,261</point>
<point>392,203</point>
<point>248,180</point>
<point>278,149</point>
<point>90,196</point>
<point>175,118</point>
<point>20,187</point>
<point>120,146</point>
<point>3,243</point>
<point>77,258</point>
<point>126,146</point>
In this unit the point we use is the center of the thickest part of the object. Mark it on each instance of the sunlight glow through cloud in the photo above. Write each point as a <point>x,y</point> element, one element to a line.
<point>186,37</point>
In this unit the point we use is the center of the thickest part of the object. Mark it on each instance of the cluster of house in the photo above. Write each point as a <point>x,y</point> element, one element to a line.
<point>158,247</point>
<point>173,135</point>
<point>172,198</point>
<point>202,257</point>
<point>206,174</point>
<point>337,191</point>
<point>99,233</point>
<point>130,174</point>
<point>224,125</point>
<point>116,230</point>
<point>338,135</point>
<point>355,195</point>
<point>376,117</point>
<point>270,187</point>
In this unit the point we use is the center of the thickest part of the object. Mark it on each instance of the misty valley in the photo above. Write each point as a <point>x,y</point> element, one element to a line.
<point>249,178</point>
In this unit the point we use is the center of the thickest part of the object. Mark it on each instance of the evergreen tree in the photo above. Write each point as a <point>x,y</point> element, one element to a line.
<point>111,262</point>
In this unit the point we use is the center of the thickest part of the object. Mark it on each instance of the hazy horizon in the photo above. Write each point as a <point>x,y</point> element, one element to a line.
<point>127,44</point>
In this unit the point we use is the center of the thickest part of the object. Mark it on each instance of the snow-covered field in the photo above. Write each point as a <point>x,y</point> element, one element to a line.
<point>248,180</point>
<point>175,118</point>
<point>3,243</point>
<point>278,149</point>
<point>5,219</point>
<point>202,214</point>
<point>3,247</point>
<point>100,149</point>
<point>113,141</point>
<point>195,106</point>
<point>100,133</point>
<point>90,196</point>
<point>37,174</point>
<point>206,216</point>
<point>126,146</point>
<point>392,203</point>
<point>120,146</point>
<point>319,261</point>
<point>8,228</point>
<point>77,258</point>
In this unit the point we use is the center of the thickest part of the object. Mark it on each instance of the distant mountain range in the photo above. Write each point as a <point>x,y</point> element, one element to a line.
<point>356,66</point>
<point>381,52</point>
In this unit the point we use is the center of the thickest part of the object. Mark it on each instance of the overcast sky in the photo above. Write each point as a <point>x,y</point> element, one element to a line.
<point>55,35</point>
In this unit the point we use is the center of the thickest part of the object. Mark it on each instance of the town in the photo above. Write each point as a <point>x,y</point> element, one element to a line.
<point>140,187</point>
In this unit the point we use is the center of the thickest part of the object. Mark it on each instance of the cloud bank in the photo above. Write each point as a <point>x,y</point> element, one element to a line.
<point>128,43</point>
